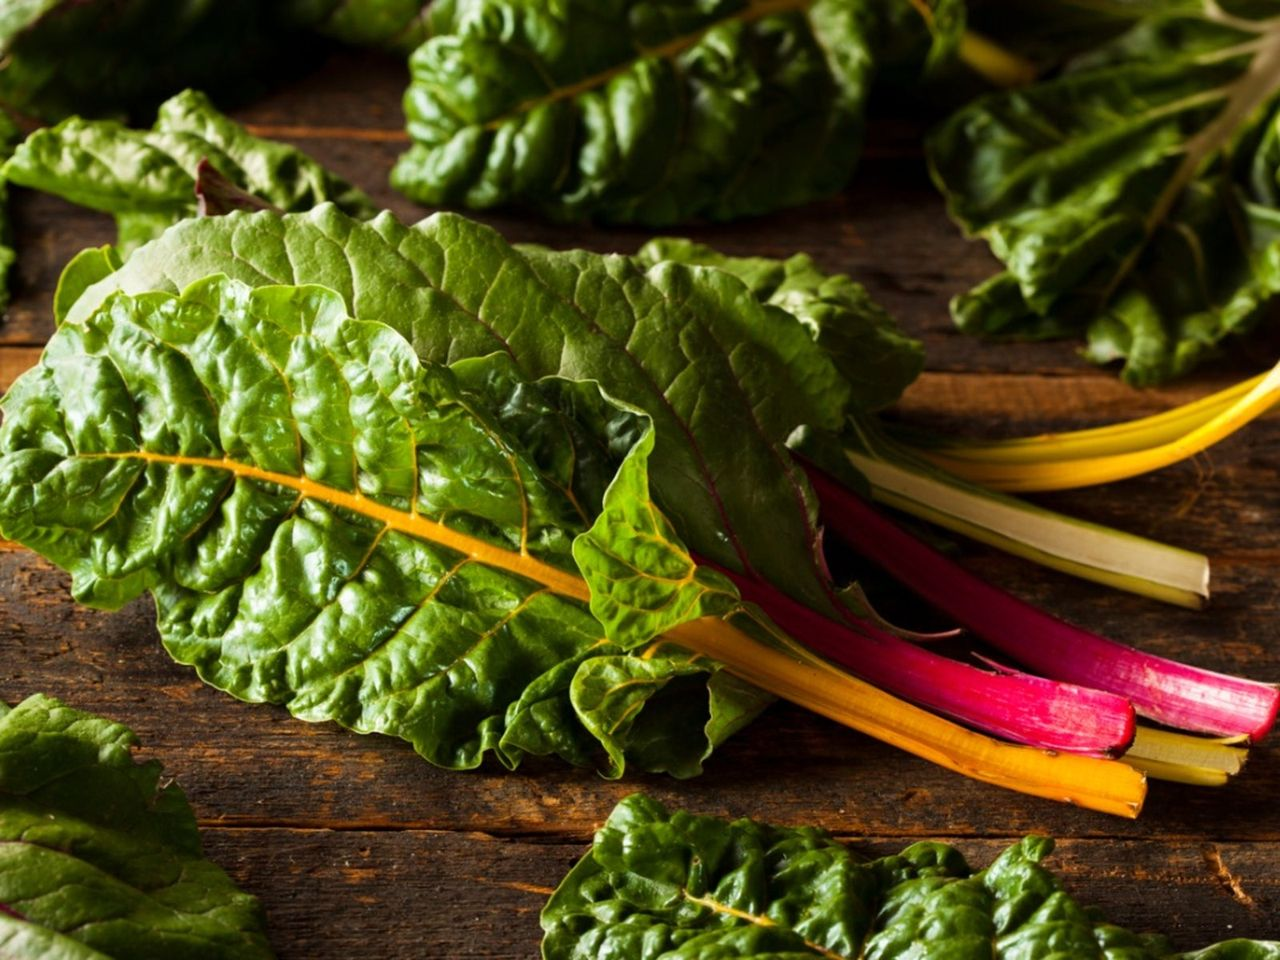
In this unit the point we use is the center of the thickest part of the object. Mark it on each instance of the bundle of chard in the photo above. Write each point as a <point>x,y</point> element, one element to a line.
<point>508,501</point>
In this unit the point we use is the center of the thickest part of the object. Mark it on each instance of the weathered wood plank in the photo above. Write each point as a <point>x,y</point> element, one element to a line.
<point>423,894</point>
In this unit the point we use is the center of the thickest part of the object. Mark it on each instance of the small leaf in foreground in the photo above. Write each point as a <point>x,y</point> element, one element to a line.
<point>97,860</point>
<point>675,886</point>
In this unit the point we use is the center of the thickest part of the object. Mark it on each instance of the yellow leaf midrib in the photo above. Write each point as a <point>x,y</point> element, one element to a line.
<point>408,522</point>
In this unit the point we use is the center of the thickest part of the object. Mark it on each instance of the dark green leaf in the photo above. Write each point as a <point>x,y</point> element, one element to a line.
<point>98,861</point>
<point>641,112</point>
<point>673,886</point>
<point>147,179</point>
<point>9,136</point>
<point>328,523</point>
<point>1133,197</point>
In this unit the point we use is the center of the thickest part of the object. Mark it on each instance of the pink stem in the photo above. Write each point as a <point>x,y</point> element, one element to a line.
<point>1173,693</point>
<point>1026,709</point>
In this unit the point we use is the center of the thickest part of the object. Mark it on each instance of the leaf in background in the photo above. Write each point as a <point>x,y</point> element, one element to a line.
<point>9,136</point>
<point>725,384</point>
<point>395,24</point>
<point>97,860</point>
<point>638,112</point>
<point>678,887</point>
<point>147,179</point>
<point>1133,198</point>
<point>328,523</point>
<point>98,57</point>
<point>873,355</point>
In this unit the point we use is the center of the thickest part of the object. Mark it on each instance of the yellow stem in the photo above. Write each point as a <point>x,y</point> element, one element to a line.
<point>807,680</point>
<point>1001,67</point>
<point>1084,471</point>
<point>1125,437</point>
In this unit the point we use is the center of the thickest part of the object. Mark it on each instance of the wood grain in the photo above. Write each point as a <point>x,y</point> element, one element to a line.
<point>352,841</point>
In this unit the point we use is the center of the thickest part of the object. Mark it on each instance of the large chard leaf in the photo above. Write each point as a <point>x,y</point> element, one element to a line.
<point>638,111</point>
<point>673,886</point>
<point>97,860</point>
<point>147,179</point>
<point>1132,198</point>
<point>329,523</point>
<point>725,383</point>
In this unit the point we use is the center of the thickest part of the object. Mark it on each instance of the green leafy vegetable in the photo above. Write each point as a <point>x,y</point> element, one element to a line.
<point>397,24</point>
<point>147,179</point>
<point>1132,198</point>
<point>651,113</point>
<point>9,136</point>
<point>98,860</point>
<point>725,384</point>
<point>329,523</point>
<point>673,886</point>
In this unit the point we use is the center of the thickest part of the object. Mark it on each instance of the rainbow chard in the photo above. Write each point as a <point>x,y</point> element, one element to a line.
<point>707,361</point>
<point>726,376</point>
<point>97,860</point>
<point>660,337</point>
<point>678,886</point>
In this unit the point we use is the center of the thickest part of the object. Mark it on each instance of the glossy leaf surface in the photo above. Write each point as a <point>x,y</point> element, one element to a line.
<point>1133,197</point>
<point>328,523</point>
<point>636,111</point>
<point>673,886</point>
<point>97,860</point>
<point>147,179</point>
<point>725,383</point>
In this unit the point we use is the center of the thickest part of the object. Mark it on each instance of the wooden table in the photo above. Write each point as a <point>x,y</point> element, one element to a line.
<point>356,846</point>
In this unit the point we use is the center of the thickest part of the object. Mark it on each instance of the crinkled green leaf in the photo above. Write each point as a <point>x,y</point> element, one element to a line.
<point>659,885</point>
<point>638,111</point>
<point>98,860</point>
<point>873,355</point>
<point>147,179</point>
<point>329,523</point>
<point>9,136</point>
<point>725,384</point>
<point>1132,198</point>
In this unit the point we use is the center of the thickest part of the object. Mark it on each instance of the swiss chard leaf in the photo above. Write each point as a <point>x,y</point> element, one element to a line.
<point>98,860</point>
<point>725,383</point>
<point>397,24</point>
<point>147,179</point>
<point>8,138</point>
<point>674,886</point>
<point>638,112</point>
<point>1133,197</point>
<point>329,523</point>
